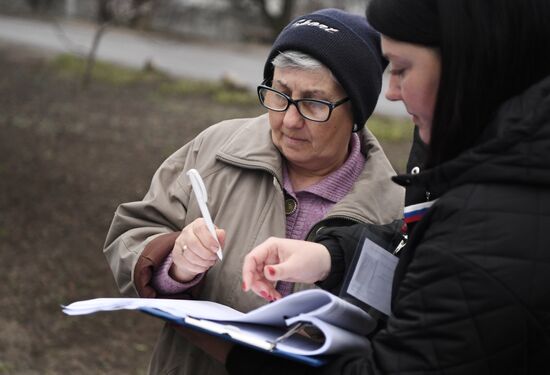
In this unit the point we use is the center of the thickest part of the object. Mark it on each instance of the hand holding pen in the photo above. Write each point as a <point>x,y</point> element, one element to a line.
<point>198,247</point>
<point>202,198</point>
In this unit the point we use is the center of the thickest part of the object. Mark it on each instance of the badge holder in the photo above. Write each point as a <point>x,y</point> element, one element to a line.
<point>369,279</point>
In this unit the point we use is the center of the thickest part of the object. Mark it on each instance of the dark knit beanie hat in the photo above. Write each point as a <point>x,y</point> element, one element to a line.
<point>410,21</point>
<point>345,44</point>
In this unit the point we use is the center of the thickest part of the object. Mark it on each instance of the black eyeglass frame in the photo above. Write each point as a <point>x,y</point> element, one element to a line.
<point>290,101</point>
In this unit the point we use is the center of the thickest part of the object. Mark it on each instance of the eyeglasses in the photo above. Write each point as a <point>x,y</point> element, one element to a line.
<point>312,109</point>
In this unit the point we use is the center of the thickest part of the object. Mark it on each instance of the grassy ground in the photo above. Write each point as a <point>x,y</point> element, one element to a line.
<point>68,158</point>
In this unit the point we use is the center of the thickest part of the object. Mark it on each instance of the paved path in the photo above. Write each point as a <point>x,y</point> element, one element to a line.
<point>204,60</point>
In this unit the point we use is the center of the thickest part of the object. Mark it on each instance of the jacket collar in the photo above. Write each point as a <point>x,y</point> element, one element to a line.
<point>252,148</point>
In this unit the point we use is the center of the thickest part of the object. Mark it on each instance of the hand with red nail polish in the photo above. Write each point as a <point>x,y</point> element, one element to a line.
<point>284,259</point>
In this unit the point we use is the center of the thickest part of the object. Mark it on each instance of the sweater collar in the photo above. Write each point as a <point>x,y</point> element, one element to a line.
<point>337,184</point>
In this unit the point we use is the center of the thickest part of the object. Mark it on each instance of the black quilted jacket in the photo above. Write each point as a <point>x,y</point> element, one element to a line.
<point>472,288</point>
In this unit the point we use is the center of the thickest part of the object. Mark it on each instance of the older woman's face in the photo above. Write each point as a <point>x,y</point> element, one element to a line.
<point>414,79</point>
<point>312,146</point>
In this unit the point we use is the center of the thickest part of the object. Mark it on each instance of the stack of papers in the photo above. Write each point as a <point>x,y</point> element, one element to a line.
<point>342,326</point>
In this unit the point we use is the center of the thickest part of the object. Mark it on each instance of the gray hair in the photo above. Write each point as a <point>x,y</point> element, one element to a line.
<point>299,60</point>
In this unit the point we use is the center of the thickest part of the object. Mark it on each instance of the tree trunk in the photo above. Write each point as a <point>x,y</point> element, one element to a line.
<point>278,21</point>
<point>90,61</point>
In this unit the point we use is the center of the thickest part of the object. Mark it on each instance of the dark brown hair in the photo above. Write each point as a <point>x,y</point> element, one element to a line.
<point>491,51</point>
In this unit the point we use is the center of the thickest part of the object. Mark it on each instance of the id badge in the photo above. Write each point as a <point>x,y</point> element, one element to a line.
<point>368,281</point>
<point>372,279</point>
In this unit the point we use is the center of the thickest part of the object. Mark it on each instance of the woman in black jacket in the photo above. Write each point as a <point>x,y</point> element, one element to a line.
<point>471,291</point>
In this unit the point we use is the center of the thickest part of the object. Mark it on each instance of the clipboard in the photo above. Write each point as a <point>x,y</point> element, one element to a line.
<point>338,326</point>
<point>237,333</point>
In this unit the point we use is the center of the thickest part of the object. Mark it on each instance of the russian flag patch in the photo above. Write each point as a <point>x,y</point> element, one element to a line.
<point>415,212</point>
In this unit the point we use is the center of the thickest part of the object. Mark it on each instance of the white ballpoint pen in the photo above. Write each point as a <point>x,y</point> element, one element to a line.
<point>202,197</point>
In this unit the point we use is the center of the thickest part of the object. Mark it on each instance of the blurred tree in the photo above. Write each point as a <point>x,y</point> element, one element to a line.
<point>277,13</point>
<point>135,13</point>
<point>104,11</point>
<point>143,13</point>
<point>39,5</point>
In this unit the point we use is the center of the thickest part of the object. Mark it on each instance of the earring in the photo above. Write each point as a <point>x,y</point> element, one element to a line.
<point>355,128</point>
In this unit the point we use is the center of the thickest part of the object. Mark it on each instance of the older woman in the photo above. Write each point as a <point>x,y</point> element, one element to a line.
<point>307,164</point>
